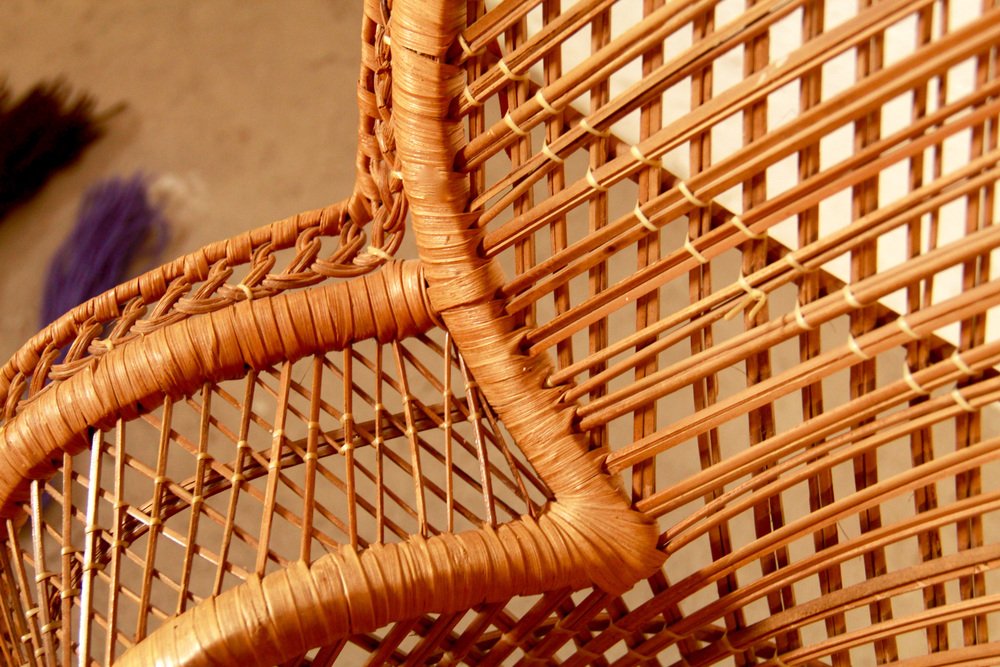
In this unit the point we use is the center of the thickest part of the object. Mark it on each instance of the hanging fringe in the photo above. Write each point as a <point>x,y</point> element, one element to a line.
<point>116,221</point>
<point>40,133</point>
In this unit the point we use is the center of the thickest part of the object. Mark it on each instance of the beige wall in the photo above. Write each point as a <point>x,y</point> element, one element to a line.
<point>250,105</point>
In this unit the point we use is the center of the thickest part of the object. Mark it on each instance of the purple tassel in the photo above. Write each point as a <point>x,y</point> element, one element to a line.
<point>116,220</point>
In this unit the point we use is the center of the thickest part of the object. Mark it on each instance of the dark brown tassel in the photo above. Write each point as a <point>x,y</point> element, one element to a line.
<point>41,132</point>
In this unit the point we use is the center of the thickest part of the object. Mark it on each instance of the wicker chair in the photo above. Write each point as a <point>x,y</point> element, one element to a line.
<point>695,366</point>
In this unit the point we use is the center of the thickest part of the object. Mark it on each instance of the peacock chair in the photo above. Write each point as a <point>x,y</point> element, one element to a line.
<point>697,365</point>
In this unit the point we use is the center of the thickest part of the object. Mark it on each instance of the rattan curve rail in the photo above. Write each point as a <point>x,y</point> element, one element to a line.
<point>535,366</point>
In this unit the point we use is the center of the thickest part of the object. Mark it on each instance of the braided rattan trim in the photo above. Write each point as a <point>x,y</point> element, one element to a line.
<point>346,592</point>
<point>172,281</point>
<point>614,545</point>
<point>179,358</point>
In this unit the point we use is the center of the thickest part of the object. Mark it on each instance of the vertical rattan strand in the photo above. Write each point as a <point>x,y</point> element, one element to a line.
<point>155,520</point>
<point>10,618</point>
<point>66,557</point>
<point>972,332</point>
<point>27,638</point>
<point>30,606</point>
<point>413,439</point>
<point>273,467</point>
<point>475,419</point>
<point>42,575</point>
<point>236,482</point>
<point>864,263</point>
<point>706,390</point>
<point>348,447</point>
<point>91,535</point>
<point>917,352</point>
<point>379,444</point>
<point>475,65</point>
<point>119,513</point>
<point>556,179</point>
<point>447,427</point>
<point>311,462</point>
<point>597,213</point>
<point>810,341</point>
<point>338,523</point>
<point>198,498</point>
<point>516,94</point>
<point>768,514</point>
<point>647,307</point>
<point>516,467</point>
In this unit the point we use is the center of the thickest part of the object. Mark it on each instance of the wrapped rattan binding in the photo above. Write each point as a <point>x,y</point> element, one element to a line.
<point>697,365</point>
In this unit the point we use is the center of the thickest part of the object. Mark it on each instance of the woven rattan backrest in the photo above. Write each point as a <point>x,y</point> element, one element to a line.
<point>810,484</point>
<point>697,365</point>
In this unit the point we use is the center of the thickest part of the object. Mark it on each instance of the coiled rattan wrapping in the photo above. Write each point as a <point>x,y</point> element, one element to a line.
<point>697,365</point>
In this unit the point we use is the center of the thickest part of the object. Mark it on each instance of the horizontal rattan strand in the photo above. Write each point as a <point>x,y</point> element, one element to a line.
<point>797,199</point>
<point>828,246</point>
<point>814,255</point>
<point>893,583</point>
<point>490,26</point>
<point>929,62</point>
<point>638,39</point>
<point>985,653</point>
<point>973,301</point>
<point>940,468</point>
<point>521,177</point>
<point>671,378</point>
<point>874,632</point>
<point>674,205</point>
<point>836,553</point>
<point>777,273</point>
<point>837,450</point>
<point>812,431</point>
